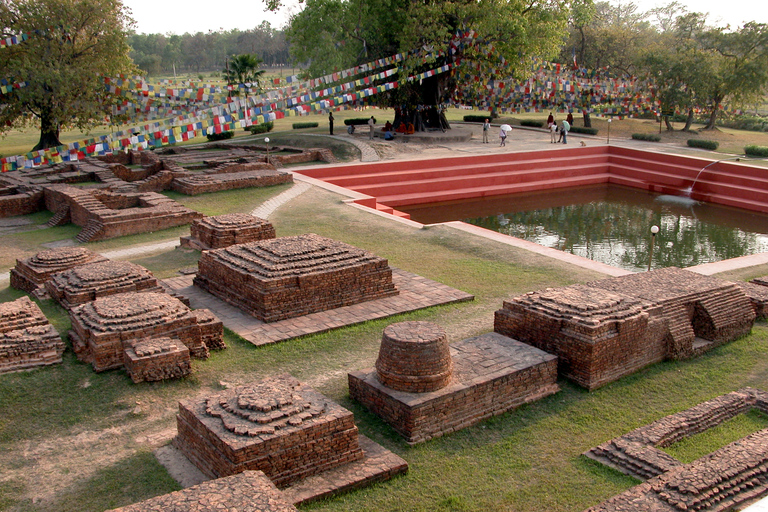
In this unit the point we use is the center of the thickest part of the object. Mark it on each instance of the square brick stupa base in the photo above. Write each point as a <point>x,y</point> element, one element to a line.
<point>492,374</point>
<point>281,427</point>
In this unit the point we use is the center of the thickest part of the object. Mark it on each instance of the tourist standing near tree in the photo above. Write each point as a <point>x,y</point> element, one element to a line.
<point>564,128</point>
<point>552,133</point>
<point>330,122</point>
<point>486,129</point>
<point>371,125</point>
<point>550,120</point>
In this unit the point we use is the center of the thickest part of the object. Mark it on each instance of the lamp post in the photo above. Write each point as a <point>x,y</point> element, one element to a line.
<point>266,144</point>
<point>609,129</point>
<point>654,230</point>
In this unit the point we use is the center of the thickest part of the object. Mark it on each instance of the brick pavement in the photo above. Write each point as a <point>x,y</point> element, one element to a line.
<point>416,292</point>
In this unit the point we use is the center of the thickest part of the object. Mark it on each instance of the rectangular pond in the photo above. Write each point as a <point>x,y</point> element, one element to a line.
<point>611,224</point>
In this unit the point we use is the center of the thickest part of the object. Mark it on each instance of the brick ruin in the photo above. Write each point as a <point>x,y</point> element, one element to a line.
<point>425,388</point>
<point>153,359</point>
<point>27,339</point>
<point>279,426</point>
<point>193,185</point>
<point>105,214</point>
<point>225,230</point>
<point>94,280</point>
<point>293,276</point>
<point>32,273</point>
<point>606,329</point>
<point>249,491</point>
<point>103,329</point>
<point>720,481</point>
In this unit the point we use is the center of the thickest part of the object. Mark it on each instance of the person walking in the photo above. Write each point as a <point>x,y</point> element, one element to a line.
<point>371,125</point>
<point>503,137</point>
<point>486,129</point>
<point>330,122</point>
<point>564,129</point>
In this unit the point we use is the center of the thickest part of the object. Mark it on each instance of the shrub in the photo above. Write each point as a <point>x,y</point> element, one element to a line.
<point>531,124</point>
<point>262,128</point>
<point>358,121</point>
<point>581,129</point>
<point>650,137</point>
<point>703,144</point>
<point>475,118</point>
<point>299,126</point>
<point>756,151</point>
<point>220,136</point>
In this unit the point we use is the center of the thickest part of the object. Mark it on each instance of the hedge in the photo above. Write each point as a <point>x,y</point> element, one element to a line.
<point>299,126</point>
<point>756,151</point>
<point>358,121</point>
<point>262,128</point>
<point>704,144</point>
<point>220,136</point>
<point>475,118</point>
<point>531,124</point>
<point>581,129</point>
<point>650,137</point>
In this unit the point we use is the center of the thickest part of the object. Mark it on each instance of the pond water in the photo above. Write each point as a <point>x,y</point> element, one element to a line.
<point>611,224</point>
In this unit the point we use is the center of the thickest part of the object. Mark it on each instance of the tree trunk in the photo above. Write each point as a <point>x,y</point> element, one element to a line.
<point>688,121</point>
<point>669,126</point>
<point>712,119</point>
<point>49,132</point>
<point>587,119</point>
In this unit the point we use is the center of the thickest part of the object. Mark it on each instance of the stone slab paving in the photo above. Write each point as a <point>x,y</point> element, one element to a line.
<point>416,292</point>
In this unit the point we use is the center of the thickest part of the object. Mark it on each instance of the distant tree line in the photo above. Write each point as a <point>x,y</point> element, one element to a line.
<point>158,54</point>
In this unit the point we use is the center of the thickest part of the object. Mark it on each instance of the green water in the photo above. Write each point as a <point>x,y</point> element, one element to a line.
<point>612,224</point>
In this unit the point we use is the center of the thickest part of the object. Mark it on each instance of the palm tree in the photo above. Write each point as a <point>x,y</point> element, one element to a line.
<point>243,69</point>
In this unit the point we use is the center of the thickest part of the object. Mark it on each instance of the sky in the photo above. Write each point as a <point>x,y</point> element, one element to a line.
<point>162,16</point>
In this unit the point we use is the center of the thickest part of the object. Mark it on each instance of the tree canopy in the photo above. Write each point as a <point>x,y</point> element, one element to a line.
<point>72,46</point>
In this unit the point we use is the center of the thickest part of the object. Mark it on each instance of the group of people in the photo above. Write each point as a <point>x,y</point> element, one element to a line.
<point>558,133</point>
<point>487,129</point>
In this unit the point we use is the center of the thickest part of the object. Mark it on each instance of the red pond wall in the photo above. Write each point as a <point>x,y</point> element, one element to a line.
<point>400,183</point>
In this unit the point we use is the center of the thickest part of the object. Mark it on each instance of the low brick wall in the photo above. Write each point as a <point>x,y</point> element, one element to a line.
<point>153,359</point>
<point>492,374</point>
<point>205,183</point>
<point>249,491</point>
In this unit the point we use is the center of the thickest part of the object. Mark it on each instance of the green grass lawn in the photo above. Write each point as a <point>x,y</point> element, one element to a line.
<point>74,440</point>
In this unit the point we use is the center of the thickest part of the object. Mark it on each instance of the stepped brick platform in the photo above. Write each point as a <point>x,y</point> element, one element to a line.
<point>104,328</point>
<point>416,292</point>
<point>610,328</point>
<point>32,273</point>
<point>249,491</point>
<point>27,339</point>
<point>153,359</point>
<point>94,280</point>
<point>720,481</point>
<point>293,276</point>
<point>278,426</point>
<point>225,230</point>
<point>104,214</point>
<point>423,390</point>
<point>205,183</point>
<point>392,185</point>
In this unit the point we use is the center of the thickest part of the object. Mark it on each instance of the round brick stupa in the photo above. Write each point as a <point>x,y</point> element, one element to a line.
<point>414,357</point>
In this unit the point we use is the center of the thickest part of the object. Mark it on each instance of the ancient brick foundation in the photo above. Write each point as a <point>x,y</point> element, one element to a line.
<point>202,184</point>
<point>278,426</point>
<point>249,491</point>
<point>491,374</point>
<point>607,329</point>
<point>17,198</point>
<point>720,481</point>
<point>104,214</point>
<point>27,339</point>
<point>94,280</point>
<point>32,273</point>
<point>225,230</point>
<point>293,276</point>
<point>104,328</point>
<point>153,359</point>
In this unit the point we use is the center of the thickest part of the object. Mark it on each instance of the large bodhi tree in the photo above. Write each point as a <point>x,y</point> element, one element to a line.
<point>73,45</point>
<point>335,34</point>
